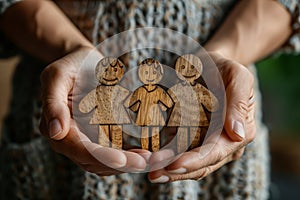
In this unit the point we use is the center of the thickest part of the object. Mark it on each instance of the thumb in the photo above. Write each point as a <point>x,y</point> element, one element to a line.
<point>56,86</point>
<point>238,91</point>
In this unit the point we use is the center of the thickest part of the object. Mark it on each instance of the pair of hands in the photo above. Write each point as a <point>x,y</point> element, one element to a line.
<point>64,136</point>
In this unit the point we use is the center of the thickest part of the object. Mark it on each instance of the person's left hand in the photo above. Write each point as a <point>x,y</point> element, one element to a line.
<point>238,131</point>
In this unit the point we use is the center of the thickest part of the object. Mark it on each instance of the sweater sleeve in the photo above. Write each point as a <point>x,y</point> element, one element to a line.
<point>293,43</point>
<point>4,4</point>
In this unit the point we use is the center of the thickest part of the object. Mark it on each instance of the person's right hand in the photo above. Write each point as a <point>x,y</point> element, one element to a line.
<point>60,128</point>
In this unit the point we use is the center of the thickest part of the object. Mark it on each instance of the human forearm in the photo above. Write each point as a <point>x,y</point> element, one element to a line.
<point>41,29</point>
<point>253,30</point>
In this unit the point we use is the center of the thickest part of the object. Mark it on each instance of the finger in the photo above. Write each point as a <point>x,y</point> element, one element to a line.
<point>135,162</point>
<point>211,153</point>
<point>238,91</point>
<point>100,170</point>
<point>56,86</point>
<point>124,161</point>
<point>110,157</point>
<point>77,147</point>
<point>206,155</point>
<point>144,153</point>
<point>162,176</point>
<point>161,159</point>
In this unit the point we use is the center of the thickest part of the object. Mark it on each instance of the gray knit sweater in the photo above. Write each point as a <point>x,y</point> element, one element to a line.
<point>30,170</point>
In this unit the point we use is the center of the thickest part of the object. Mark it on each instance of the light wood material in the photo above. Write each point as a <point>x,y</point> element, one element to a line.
<point>182,139</point>
<point>155,140</point>
<point>195,137</point>
<point>116,136</point>
<point>190,98</point>
<point>107,100</point>
<point>103,137</point>
<point>148,99</point>
<point>145,138</point>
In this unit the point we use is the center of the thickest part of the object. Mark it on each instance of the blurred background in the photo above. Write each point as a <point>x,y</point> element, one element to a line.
<point>280,85</point>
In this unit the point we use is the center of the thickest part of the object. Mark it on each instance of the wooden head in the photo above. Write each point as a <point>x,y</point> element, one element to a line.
<point>188,67</point>
<point>150,71</point>
<point>109,71</point>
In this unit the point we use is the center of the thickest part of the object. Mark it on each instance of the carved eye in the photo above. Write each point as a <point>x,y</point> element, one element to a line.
<point>106,69</point>
<point>154,72</point>
<point>115,69</point>
<point>192,66</point>
<point>182,66</point>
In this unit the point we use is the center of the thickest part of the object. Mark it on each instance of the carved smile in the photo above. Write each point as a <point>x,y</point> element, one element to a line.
<point>150,80</point>
<point>189,76</point>
<point>110,80</point>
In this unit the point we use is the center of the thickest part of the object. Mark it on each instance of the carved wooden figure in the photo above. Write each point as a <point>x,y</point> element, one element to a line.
<point>188,113</point>
<point>149,101</point>
<point>108,101</point>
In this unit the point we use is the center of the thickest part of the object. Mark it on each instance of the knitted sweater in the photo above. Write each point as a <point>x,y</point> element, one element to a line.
<point>33,171</point>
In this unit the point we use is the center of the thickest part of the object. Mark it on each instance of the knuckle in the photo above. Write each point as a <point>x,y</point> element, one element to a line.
<point>242,106</point>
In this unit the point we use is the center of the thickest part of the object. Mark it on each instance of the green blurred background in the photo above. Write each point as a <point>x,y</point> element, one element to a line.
<point>280,82</point>
<point>279,78</point>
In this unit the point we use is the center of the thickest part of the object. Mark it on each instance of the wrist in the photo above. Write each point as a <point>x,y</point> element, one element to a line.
<point>70,46</point>
<point>225,48</point>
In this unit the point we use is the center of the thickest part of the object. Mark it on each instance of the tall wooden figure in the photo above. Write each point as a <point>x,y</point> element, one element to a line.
<point>108,101</point>
<point>150,101</point>
<point>188,113</point>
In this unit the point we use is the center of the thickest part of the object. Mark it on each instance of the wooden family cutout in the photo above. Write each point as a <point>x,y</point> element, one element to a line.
<point>150,102</point>
<point>107,100</point>
<point>188,114</point>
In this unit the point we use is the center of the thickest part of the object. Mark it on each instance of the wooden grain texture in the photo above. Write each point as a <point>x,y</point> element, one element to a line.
<point>109,71</point>
<point>103,137</point>
<point>149,99</point>
<point>145,138</point>
<point>182,139</point>
<point>155,140</point>
<point>194,137</point>
<point>116,136</point>
<point>107,101</point>
<point>190,98</point>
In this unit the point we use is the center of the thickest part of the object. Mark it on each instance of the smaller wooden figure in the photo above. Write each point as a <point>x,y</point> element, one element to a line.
<point>150,101</point>
<point>188,114</point>
<point>108,101</point>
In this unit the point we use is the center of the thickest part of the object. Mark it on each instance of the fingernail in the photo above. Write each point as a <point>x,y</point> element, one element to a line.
<point>161,179</point>
<point>180,170</point>
<point>238,128</point>
<point>251,100</point>
<point>54,128</point>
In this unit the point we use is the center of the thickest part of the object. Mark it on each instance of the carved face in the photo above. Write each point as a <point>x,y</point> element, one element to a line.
<point>188,67</point>
<point>150,71</point>
<point>109,71</point>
